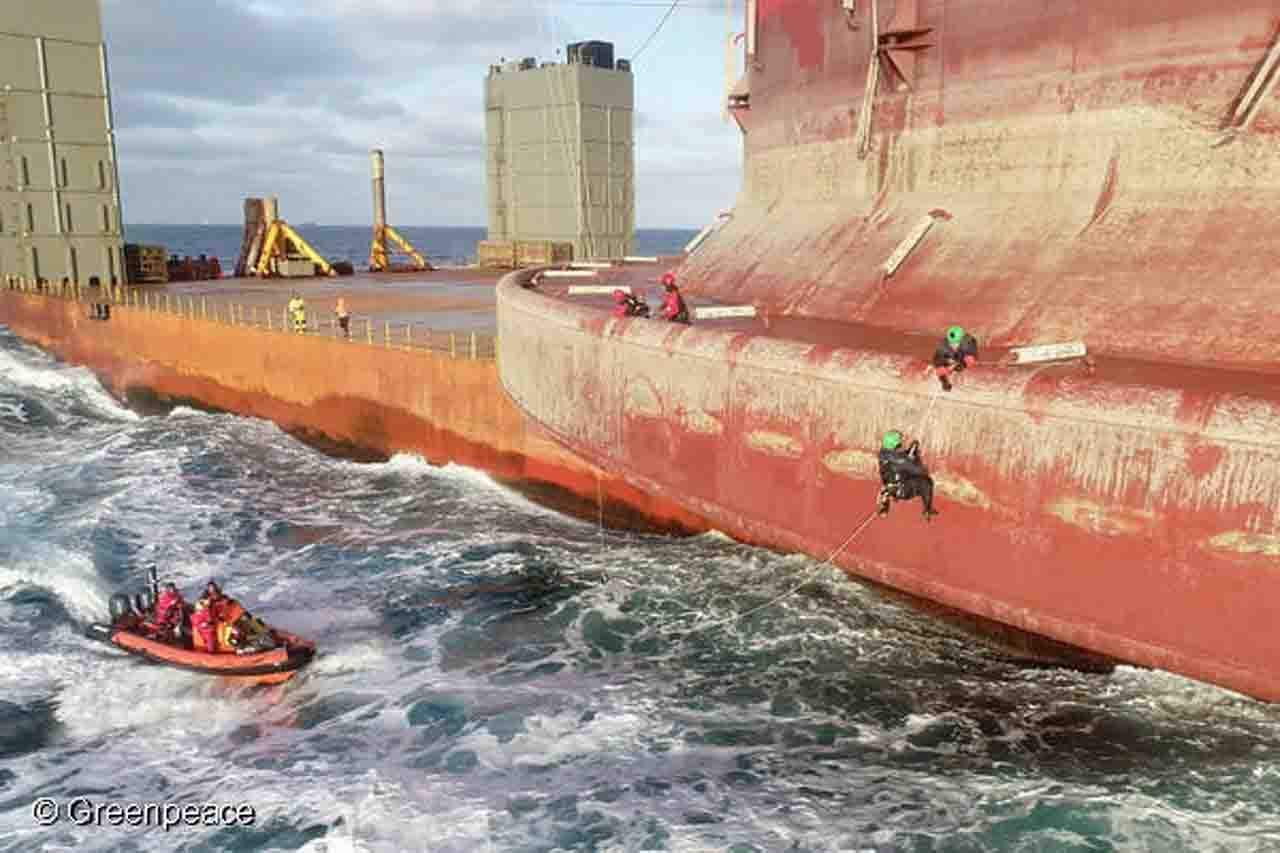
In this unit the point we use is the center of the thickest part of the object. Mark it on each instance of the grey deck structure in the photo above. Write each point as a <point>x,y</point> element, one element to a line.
<point>560,154</point>
<point>59,187</point>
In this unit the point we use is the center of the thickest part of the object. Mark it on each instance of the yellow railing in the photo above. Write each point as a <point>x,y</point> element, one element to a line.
<point>361,330</point>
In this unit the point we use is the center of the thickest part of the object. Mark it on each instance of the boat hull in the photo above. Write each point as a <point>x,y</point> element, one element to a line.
<point>272,667</point>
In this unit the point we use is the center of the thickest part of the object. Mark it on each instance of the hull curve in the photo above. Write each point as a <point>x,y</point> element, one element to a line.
<point>1119,514</point>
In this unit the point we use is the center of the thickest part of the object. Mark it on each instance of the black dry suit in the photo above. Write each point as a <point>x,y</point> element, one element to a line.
<point>904,477</point>
<point>636,307</point>
<point>947,356</point>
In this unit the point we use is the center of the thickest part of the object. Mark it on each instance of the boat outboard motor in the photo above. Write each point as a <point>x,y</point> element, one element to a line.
<point>118,606</point>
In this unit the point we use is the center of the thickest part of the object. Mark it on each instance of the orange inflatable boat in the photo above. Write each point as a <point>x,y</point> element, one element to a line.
<point>274,666</point>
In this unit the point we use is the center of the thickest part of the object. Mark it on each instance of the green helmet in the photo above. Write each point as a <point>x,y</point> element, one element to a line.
<point>955,335</point>
<point>892,440</point>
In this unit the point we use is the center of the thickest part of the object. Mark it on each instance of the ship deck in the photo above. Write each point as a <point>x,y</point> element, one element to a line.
<point>461,300</point>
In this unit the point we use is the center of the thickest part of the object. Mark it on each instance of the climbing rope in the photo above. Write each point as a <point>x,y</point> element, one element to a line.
<point>933,398</point>
<point>793,590</point>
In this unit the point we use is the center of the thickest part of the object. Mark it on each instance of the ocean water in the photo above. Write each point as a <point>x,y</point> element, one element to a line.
<point>349,243</point>
<point>494,676</point>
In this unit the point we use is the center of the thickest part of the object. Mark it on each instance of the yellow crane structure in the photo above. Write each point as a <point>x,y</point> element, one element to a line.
<point>379,260</point>
<point>280,238</point>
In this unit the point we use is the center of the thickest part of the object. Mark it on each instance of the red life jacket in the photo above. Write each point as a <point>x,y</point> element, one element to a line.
<point>202,635</point>
<point>168,609</point>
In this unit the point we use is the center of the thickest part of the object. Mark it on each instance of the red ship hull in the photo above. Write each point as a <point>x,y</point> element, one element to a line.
<point>1097,171</point>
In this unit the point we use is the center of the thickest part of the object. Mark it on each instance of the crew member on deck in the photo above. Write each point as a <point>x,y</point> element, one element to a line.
<point>344,316</point>
<point>957,351</point>
<point>673,307</point>
<point>298,314</point>
<point>627,305</point>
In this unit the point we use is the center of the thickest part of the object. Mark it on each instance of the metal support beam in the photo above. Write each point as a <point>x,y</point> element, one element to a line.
<point>109,112</point>
<point>379,260</point>
<point>43,63</point>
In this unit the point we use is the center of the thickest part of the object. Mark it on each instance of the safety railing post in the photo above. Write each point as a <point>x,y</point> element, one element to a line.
<point>473,346</point>
<point>453,345</point>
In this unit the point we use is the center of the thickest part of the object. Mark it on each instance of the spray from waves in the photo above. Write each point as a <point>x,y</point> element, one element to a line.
<point>179,412</point>
<point>14,410</point>
<point>69,577</point>
<point>475,484</point>
<point>112,697</point>
<point>69,382</point>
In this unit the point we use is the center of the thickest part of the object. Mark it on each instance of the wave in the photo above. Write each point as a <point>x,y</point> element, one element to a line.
<point>68,576</point>
<point>50,377</point>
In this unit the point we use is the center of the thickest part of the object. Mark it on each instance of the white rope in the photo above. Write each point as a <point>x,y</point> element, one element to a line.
<point>933,398</point>
<point>793,590</point>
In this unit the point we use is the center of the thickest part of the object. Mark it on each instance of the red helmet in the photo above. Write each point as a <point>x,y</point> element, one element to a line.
<point>669,278</point>
<point>619,296</point>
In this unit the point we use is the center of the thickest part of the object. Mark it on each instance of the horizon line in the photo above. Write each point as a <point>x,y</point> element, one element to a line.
<point>306,223</point>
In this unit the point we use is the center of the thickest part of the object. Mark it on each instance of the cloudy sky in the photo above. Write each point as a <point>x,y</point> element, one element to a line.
<point>220,99</point>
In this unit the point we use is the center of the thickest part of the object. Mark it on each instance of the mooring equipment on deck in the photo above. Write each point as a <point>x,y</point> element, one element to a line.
<point>379,260</point>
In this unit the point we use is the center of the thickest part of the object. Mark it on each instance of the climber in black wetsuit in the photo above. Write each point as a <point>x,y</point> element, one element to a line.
<point>958,350</point>
<point>903,476</point>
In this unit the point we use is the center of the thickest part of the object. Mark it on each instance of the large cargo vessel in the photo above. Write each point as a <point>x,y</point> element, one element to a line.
<point>1088,170</point>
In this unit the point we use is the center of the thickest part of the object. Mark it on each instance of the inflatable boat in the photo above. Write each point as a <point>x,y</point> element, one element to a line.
<point>272,666</point>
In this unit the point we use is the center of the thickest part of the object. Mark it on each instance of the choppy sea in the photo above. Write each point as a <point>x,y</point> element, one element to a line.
<point>495,676</point>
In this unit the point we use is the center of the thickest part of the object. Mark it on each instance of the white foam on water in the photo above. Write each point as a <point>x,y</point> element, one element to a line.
<point>18,502</point>
<point>368,655</point>
<point>14,410</point>
<point>167,704</point>
<point>68,576</point>
<point>179,412</point>
<point>68,381</point>
<point>475,484</point>
<point>386,816</point>
<point>555,737</point>
<point>34,675</point>
<point>1182,697</point>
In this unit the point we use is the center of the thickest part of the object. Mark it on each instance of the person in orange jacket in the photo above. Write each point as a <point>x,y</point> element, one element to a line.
<point>203,637</point>
<point>167,615</point>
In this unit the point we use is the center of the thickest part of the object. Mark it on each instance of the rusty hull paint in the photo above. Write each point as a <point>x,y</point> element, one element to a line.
<point>1094,512</point>
<point>1075,147</point>
<point>350,396</point>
